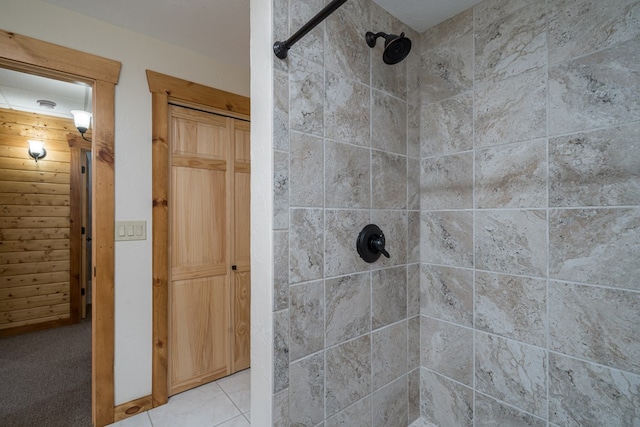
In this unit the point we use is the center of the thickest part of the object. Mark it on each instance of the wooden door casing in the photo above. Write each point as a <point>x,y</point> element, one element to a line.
<point>27,54</point>
<point>166,91</point>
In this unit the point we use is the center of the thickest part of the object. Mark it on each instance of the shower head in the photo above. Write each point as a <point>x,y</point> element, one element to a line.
<point>396,48</point>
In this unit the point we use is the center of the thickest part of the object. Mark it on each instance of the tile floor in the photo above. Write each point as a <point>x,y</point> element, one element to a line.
<point>223,403</point>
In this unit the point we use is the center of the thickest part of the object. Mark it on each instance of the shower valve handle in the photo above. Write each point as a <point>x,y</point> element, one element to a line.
<point>379,243</point>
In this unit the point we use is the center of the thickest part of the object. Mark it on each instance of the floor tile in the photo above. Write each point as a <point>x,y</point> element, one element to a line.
<point>223,403</point>
<point>140,420</point>
<point>205,406</point>
<point>238,388</point>
<point>239,421</point>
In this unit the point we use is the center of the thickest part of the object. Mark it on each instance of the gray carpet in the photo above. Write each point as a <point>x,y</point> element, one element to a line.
<point>45,378</point>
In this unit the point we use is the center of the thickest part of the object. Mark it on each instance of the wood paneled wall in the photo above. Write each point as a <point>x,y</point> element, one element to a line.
<point>34,222</point>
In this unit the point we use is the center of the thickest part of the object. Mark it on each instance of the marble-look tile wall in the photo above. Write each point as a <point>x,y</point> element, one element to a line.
<point>346,153</point>
<point>530,215</point>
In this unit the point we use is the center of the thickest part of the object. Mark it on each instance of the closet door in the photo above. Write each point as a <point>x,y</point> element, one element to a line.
<point>200,249</point>
<point>241,288</point>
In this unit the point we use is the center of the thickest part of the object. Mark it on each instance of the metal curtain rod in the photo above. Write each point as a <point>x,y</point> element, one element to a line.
<point>281,48</point>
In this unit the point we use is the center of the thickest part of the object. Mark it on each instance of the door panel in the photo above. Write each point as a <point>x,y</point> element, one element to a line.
<point>242,140</point>
<point>242,220</point>
<point>199,225</point>
<point>199,133</point>
<point>241,351</point>
<point>199,324</point>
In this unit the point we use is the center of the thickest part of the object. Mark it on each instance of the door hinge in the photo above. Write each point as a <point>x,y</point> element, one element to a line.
<point>82,291</point>
<point>83,230</point>
<point>83,169</point>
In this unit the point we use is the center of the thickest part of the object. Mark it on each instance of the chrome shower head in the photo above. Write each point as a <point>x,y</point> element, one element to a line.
<point>396,48</point>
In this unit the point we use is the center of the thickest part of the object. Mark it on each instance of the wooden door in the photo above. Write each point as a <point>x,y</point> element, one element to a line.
<point>86,236</point>
<point>202,249</point>
<point>241,290</point>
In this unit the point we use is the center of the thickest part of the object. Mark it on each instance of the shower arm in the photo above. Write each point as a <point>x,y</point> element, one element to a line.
<point>281,48</point>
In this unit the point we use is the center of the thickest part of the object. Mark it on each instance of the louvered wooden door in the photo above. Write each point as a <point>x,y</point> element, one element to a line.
<point>206,198</point>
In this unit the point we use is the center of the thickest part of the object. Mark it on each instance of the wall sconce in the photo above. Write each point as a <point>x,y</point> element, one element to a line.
<point>36,150</point>
<point>82,120</point>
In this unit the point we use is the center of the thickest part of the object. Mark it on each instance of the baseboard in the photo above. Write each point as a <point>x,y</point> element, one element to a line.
<point>33,327</point>
<point>132,408</point>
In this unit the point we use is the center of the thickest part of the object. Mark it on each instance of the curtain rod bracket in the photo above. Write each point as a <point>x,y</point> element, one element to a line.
<point>281,48</point>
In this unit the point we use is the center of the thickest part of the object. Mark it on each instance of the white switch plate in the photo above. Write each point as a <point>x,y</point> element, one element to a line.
<point>131,230</point>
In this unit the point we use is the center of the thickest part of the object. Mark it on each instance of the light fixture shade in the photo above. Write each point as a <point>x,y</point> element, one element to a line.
<point>36,149</point>
<point>82,120</point>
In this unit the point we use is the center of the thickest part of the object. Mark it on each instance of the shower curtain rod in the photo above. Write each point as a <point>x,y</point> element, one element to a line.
<point>281,48</point>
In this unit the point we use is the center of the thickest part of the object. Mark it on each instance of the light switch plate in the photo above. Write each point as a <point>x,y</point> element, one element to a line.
<point>131,230</point>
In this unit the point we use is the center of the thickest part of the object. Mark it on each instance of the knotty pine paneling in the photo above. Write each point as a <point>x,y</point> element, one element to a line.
<point>34,220</point>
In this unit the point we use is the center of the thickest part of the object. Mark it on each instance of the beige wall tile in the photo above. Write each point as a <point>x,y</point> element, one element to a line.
<point>597,90</point>
<point>512,241</point>
<point>512,176</point>
<point>596,324</point>
<point>581,393</point>
<point>597,246</point>
<point>512,307</point>
<point>599,168</point>
<point>513,372</point>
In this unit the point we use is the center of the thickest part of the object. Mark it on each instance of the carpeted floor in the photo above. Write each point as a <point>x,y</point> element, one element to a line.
<point>45,378</point>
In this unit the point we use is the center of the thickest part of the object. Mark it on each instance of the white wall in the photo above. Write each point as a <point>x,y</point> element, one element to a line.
<point>261,212</point>
<point>137,53</point>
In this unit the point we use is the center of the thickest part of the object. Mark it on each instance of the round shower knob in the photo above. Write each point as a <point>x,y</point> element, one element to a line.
<point>371,243</point>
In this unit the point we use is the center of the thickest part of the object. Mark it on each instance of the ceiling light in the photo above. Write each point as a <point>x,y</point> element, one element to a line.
<point>45,103</point>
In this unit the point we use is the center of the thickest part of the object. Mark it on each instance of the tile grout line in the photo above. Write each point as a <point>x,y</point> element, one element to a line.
<point>548,238</point>
<point>287,390</point>
<point>324,219</point>
<point>473,224</point>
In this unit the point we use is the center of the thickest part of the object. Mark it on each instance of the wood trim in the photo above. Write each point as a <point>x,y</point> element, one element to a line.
<point>165,89</point>
<point>38,57</point>
<point>196,162</point>
<point>34,327</point>
<point>76,141</point>
<point>75,216</point>
<point>103,262</point>
<point>129,409</point>
<point>187,91</point>
<point>41,54</point>
<point>160,236</point>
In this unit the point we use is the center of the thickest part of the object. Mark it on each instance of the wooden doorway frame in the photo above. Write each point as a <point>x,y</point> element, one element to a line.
<point>165,89</point>
<point>77,148</point>
<point>33,56</point>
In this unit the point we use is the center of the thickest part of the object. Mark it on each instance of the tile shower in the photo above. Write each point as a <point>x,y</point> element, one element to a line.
<point>502,161</point>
